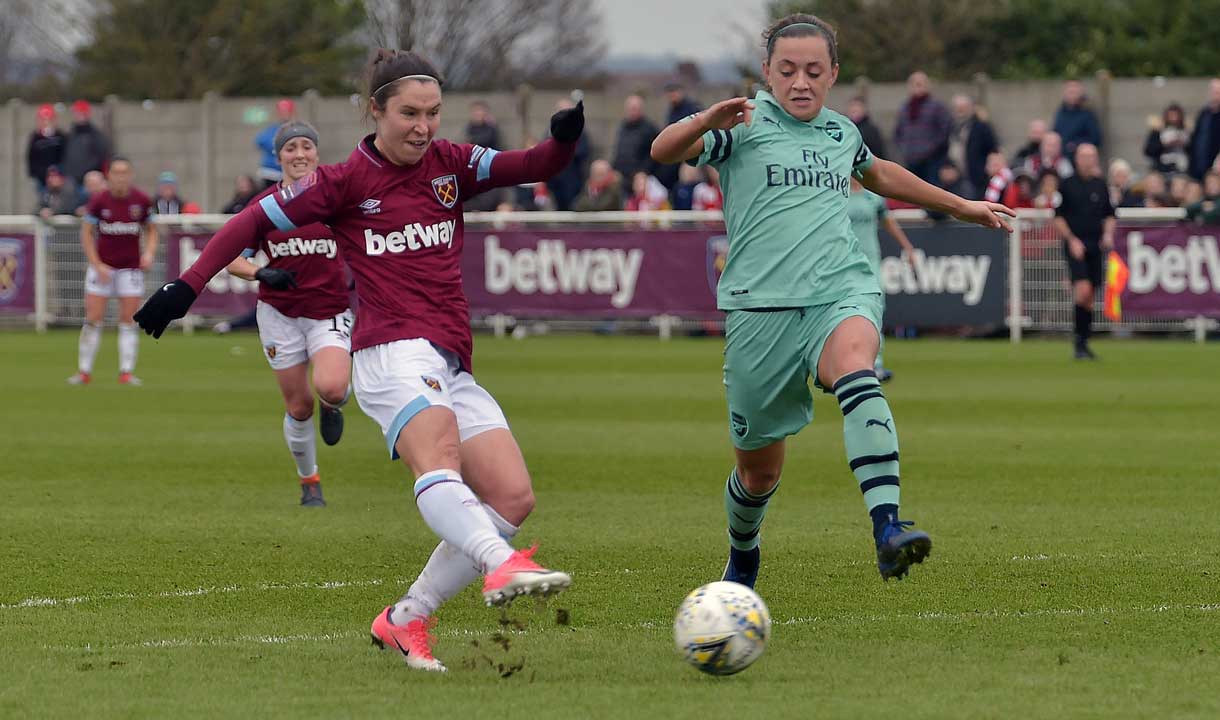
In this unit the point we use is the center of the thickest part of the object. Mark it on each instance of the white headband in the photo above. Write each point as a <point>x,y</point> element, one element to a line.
<point>425,78</point>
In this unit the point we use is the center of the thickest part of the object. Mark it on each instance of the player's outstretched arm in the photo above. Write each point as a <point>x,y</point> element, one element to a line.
<point>683,140</point>
<point>889,179</point>
<point>544,160</point>
<point>173,299</point>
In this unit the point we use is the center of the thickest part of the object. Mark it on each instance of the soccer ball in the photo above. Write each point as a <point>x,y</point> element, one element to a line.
<point>722,628</point>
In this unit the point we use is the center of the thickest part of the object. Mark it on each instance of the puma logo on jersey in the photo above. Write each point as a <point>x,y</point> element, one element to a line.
<point>886,424</point>
<point>413,237</point>
<point>298,246</point>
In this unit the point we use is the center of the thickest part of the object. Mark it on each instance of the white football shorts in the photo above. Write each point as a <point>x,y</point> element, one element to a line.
<point>123,282</point>
<point>289,341</point>
<point>395,381</point>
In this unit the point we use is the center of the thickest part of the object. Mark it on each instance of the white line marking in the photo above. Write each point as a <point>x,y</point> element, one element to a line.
<point>657,625</point>
<point>33,602</point>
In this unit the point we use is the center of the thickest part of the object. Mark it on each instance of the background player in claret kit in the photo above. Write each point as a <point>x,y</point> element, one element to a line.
<point>396,208</point>
<point>864,209</point>
<point>800,294</point>
<point>114,220</point>
<point>303,317</point>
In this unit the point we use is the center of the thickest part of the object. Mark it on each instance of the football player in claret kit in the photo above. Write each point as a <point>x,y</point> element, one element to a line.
<point>396,208</point>
<point>110,235</point>
<point>303,318</point>
<point>800,295</point>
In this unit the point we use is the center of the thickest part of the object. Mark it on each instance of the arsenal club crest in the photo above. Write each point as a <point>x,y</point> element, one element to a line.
<point>446,190</point>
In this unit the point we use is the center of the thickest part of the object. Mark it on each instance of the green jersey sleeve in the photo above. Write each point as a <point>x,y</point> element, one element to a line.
<point>863,160</point>
<point>718,146</point>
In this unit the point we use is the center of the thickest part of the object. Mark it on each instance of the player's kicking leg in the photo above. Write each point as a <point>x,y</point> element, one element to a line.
<point>871,440</point>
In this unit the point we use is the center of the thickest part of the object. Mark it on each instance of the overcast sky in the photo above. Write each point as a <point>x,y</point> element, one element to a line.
<point>698,29</point>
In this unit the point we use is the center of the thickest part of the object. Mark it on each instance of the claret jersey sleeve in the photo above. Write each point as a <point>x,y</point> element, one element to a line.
<point>480,169</point>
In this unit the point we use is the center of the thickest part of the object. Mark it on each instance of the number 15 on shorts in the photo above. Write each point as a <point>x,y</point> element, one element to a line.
<point>341,325</point>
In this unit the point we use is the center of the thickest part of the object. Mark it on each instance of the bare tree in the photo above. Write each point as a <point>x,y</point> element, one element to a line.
<point>42,32</point>
<point>484,44</point>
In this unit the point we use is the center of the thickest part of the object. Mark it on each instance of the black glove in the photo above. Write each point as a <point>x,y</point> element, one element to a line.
<point>167,304</point>
<point>275,278</point>
<point>567,125</point>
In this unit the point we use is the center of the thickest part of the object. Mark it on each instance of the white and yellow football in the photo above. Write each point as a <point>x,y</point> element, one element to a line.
<point>722,628</point>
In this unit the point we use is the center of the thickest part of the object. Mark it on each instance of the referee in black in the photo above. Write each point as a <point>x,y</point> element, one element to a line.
<point>1085,221</point>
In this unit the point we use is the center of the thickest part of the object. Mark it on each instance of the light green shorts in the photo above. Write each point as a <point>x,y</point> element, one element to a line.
<point>769,357</point>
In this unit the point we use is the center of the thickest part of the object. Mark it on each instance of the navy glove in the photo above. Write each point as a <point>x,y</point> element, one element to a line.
<point>567,125</point>
<point>275,278</point>
<point>166,305</point>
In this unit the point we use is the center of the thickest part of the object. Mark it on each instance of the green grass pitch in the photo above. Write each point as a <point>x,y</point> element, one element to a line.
<point>154,562</point>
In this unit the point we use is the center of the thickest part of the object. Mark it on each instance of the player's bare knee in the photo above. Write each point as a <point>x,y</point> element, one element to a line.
<point>300,409</point>
<point>332,392</point>
<point>759,481</point>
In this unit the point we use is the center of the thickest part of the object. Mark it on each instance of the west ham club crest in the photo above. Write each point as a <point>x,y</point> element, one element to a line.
<point>446,190</point>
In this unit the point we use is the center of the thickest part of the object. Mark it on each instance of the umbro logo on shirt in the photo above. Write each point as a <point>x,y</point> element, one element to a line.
<point>371,206</point>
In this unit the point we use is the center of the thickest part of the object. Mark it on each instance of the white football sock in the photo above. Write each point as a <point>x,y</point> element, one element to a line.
<point>446,574</point>
<point>299,435</point>
<point>129,343</point>
<point>456,515</point>
<point>86,351</point>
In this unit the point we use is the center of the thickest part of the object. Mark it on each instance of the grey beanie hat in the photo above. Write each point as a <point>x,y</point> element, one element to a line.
<point>294,129</point>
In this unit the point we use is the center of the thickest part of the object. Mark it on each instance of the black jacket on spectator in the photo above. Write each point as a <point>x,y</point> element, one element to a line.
<point>632,151</point>
<point>487,135</point>
<point>668,174</point>
<point>980,142</point>
<point>236,204</point>
<point>1205,143</point>
<point>1164,158</point>
<point>44,151</point>
<point>87,149</point>
<point>1027,151</point>
<point>873,137</point>
<point>567,183</point>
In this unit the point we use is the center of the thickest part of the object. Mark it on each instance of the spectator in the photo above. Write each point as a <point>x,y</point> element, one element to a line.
<point>647,193</point>
<point>58,197</point>
<point>87,147</point>
<point>566,185</point>
<point>1194,192</point>
<point>1021,192</point>
<point>1033,145</point>
<point>1049,157</point>
<point>680,106</point>
<point>632,149</point>
<point>1168,141</point>
<point>95,182</point>
<point>269,165</point>
<point>1151,191</point>
<point>949,176</point>
<point>1048,191</point>
<point>1206,211</point>
<point>482,128</point>
<point>244,191</point>
<point>689,177</point>
<point>46,147</point>
<point>1205,142</point>
<point>1178,187</point>
<point>971,140</point>
<point>1085,222</point>
<point>1118,180</point>
<point>707,195</point>
<point>857,110</point>
<point>999,177</point>
<point>1074,121</point>
<point>167,202</point>
<point>603,191</point>
<point>922,134</point>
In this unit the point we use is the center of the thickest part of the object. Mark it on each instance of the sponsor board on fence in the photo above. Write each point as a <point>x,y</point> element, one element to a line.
<point>17,273</point>
<point>1168,272</point>
<point>956,278</point>
<point>225,294</point>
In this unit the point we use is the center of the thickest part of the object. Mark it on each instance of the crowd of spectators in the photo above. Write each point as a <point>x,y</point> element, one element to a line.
<point>953,145</point>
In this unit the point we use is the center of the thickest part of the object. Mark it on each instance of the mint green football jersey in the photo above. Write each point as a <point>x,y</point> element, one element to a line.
<point>866,209</point>
<point>786,186</point>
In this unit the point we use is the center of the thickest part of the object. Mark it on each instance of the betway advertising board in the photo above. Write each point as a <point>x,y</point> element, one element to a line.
<point>1170,272</point>
<point>957,277</point>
